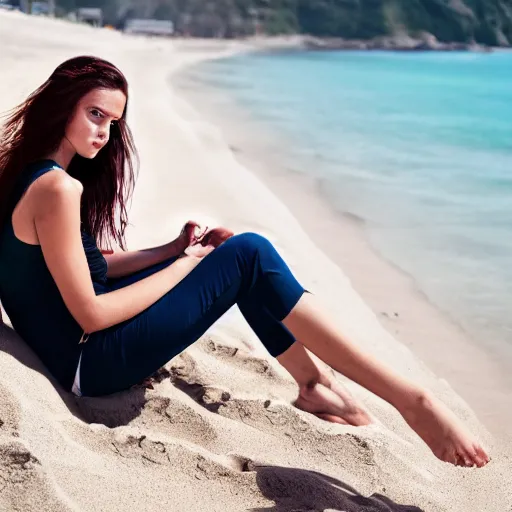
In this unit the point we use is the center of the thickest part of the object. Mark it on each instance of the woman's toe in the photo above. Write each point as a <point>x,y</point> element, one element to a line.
<point>332,418</point>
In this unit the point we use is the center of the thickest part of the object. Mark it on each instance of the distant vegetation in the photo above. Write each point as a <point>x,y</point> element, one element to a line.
<point>483,21</point>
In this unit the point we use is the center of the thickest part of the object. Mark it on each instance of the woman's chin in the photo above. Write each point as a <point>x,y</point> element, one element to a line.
<point>89,154</point>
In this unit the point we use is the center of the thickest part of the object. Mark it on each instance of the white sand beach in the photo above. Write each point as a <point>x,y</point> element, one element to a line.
<point>218,431</point>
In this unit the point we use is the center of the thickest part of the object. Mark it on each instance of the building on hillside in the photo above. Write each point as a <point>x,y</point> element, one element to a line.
<point>149,27</point>
<point>92,16</point>
<point>43,7</point>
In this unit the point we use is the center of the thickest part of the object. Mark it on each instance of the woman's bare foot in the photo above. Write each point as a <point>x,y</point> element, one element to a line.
<point>329,400</point>
<point>442,432</point>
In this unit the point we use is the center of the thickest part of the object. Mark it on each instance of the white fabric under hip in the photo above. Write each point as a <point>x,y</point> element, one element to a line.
<point>76,383</point>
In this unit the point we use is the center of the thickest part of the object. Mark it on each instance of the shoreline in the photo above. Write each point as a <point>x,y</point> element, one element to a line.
<point>401,306</point>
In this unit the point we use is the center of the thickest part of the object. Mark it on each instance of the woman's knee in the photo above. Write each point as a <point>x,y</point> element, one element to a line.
<point>250,243</point>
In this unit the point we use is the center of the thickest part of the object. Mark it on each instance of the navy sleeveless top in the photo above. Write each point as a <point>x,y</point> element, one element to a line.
<point>30,295</point>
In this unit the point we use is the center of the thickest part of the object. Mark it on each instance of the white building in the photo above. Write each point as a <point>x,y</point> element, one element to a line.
<point>90,15</point>
<point>149,27</point>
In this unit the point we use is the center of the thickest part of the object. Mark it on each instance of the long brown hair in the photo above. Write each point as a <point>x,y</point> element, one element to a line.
<point>36,127</point>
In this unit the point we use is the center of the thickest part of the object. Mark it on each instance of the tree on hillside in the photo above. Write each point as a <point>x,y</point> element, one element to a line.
<point>486,21</point>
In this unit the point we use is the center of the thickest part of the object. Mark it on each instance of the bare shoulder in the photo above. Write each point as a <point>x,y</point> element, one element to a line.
<point>55,188</point>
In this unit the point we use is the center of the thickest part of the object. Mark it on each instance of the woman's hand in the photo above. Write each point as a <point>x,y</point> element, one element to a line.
<point>189,235</point>
<point>198,251</point>
<point>216,236</point>
<point>194,240</point>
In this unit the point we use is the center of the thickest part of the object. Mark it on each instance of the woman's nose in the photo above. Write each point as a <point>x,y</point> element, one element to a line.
<point>103,133</point>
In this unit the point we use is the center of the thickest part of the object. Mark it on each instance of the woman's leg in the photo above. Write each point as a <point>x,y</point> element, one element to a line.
<point>432,421</point>
<point>122,355</point>
<point>319,392</point>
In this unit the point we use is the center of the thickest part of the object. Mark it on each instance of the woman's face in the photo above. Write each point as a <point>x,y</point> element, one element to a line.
<point>89,129</point>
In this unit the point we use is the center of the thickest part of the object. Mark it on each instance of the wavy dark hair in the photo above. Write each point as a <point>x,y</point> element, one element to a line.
<point>36,127</point>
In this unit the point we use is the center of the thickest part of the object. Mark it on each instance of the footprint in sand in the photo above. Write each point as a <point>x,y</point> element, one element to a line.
<point>9,413</point>
<point>178,420</point>
<point>17,463</point>
<point>132,446</point>
<point>193,460</point>
<point>303,431</point>
<point>22,477</point>
<point>239,358</point>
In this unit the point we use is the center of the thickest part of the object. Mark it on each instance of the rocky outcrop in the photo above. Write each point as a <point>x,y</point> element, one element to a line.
<point>427,42</point>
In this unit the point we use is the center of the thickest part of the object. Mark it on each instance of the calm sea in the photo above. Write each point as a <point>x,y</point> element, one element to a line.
<point>417,145</point>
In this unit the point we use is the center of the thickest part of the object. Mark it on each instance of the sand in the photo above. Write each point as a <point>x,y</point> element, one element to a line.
<point>218,431</point>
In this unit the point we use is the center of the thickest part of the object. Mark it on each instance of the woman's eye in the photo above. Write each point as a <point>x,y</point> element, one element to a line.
<point>96,113</point>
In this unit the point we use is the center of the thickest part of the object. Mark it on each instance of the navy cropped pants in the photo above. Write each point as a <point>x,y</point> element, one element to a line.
<point>245,270</point>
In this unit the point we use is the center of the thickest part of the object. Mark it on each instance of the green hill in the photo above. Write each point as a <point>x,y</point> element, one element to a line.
<point>482,21</point>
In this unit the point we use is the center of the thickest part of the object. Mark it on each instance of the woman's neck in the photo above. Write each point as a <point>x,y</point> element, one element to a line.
<point>64,154</point>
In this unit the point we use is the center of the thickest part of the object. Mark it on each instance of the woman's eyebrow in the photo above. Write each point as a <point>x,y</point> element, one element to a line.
<point>105,113</point>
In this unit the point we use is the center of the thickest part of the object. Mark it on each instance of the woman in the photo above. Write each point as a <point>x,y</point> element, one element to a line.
<point>104,322</point>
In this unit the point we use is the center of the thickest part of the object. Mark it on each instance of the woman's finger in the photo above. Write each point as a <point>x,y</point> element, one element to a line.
<point>199,234</point>
<point>192,232</point>
<point>216,236</point>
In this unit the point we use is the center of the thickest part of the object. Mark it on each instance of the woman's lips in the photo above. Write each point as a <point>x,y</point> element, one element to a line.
<point>97,145</point>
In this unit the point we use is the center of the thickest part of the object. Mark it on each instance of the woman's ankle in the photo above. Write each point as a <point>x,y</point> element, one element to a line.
<point>412,400</point>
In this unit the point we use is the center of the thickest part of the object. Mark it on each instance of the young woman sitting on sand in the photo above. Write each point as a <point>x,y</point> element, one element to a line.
<point>103,322</point>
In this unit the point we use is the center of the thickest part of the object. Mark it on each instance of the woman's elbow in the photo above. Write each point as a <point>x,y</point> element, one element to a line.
<point>88,324</point>
<point>89,318</point>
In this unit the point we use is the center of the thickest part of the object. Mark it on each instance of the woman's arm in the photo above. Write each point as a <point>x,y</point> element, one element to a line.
<point>123,263</point>
<point>119,305</point>
<point>57,222</point>
<point>127,262</point>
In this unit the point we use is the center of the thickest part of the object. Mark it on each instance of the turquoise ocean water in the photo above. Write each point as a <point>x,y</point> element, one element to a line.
<point>419,146</point>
